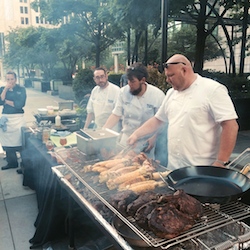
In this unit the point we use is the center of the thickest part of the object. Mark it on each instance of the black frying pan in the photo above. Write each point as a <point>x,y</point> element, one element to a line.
<point>210,184</point>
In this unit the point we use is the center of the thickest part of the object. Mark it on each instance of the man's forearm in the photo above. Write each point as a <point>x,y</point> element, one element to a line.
<point>111,121</point>
<point>227,140</point>
<point>149,127</point>
<point>89,118</point>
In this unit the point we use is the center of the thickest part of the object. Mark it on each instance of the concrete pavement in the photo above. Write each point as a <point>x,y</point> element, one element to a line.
<point>18,205</point>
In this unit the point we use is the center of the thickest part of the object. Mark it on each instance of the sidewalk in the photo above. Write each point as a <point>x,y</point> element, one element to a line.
<point>18,206</point>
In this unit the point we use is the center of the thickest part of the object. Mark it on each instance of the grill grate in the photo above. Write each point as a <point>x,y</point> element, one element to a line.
<point>219,228</point>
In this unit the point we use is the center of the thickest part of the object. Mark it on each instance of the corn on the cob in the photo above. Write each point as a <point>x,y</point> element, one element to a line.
<point>98,169</point>
<point>125,170</point>
<point>246,169</point>
<point>113,183</point>
<point>144,186</point>
<point>126,184</point>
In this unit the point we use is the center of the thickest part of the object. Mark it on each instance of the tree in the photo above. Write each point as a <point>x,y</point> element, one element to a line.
<point>17,56</point>
<point>90,20</point>
<point>46,48</point>
<point>184,39</point>
<point>136,16</point>
<point>207,15</point>
<point>70,49</point>
<point>29,47</point>
<point>240,11</point>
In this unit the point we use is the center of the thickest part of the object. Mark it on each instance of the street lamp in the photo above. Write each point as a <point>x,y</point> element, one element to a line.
<point>164,24</point>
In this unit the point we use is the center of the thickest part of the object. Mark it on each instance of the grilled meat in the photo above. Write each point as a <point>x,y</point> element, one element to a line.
<point>166,215</point>
<point>140,158</point>
<point>166,221</point>
<point>141,200</point>
<point>141,215</point>
<point>121,200</point>
<point>188,205</point>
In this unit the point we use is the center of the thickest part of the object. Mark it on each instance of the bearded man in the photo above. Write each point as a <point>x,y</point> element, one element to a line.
<point>137,102</point>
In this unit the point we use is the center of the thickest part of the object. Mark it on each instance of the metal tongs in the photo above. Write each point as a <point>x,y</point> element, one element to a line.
<point>131,147</point>
<point>166,182</point>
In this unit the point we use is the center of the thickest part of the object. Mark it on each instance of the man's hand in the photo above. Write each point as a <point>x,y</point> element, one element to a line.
<point>150,143</point>
<point>132,139</point>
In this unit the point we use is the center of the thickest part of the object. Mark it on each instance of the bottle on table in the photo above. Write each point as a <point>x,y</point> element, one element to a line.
<point>58,121</point>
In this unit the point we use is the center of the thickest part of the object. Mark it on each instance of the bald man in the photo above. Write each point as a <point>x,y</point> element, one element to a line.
<point>202,126</point>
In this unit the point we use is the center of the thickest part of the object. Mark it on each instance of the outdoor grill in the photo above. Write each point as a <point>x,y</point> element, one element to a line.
<point>221,226</point>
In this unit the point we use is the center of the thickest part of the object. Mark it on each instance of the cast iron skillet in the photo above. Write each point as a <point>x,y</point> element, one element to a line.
<point>210,184</point>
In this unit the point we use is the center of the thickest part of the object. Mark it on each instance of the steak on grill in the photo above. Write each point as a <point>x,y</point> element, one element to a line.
<point>140,201</point>
<point>121,199</point>
<point>166,221</point>
<point>141,215</point>
<point>175,216</point>
<point>188,205</point>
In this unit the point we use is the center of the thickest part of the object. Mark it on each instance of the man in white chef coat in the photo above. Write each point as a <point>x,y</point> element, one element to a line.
<point>102,99</point>
<point>202,126</point>
<point>137,102</point>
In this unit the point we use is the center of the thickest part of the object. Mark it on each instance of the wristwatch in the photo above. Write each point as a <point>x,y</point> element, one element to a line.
<point>224,163</point>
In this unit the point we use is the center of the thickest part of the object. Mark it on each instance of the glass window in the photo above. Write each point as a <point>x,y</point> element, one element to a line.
<point>25,1</point>
<point>26,20</point>
<point>37,19</point>
<point>21,9</point>
<point>26,10</point>
<point>22,20</point>
<point>21,1</point>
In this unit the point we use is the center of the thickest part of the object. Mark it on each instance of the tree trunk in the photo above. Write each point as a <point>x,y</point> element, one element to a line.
<point>201,38</point>
<point>137,39</point>
<point>128,47</point>
<point>97,44</point>
<point>146,47</point>
<point>244,37</point>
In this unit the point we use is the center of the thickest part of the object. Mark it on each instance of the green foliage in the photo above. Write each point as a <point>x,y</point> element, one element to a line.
<point>90,21</point>
<point>30,47</point>
<point>184,39</point>
<point>238,86</point>
<point>157,79</point>
<point>83,84</point>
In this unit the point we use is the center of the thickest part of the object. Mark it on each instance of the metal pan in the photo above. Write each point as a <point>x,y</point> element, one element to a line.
<point>210,184</point>
<point>128,234</point>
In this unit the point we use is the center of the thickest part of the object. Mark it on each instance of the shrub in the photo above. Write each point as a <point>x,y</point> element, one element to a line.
<point>83,84</point>
<point>238,86</point>
<point>157,79</point>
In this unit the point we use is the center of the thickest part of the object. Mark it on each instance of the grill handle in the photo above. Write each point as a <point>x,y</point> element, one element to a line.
<point>224,245</point>
<point>243,238</point>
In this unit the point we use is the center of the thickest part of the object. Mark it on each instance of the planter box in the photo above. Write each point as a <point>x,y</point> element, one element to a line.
<point>242,108</point>
<point>36,84</point>
<point>42,86</point>
<point>66,92</point>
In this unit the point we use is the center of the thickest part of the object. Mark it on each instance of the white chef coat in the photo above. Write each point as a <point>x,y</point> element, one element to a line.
<point>194,116</point>
<point>135,110</point>
<point>102,102</point>
<point>12,137</point>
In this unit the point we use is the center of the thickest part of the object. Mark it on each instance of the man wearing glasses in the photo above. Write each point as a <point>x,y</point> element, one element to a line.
<point>202,127</point>
<point>102,99</point>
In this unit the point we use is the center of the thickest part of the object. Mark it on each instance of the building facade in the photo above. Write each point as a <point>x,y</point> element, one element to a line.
<point>16,14</point>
